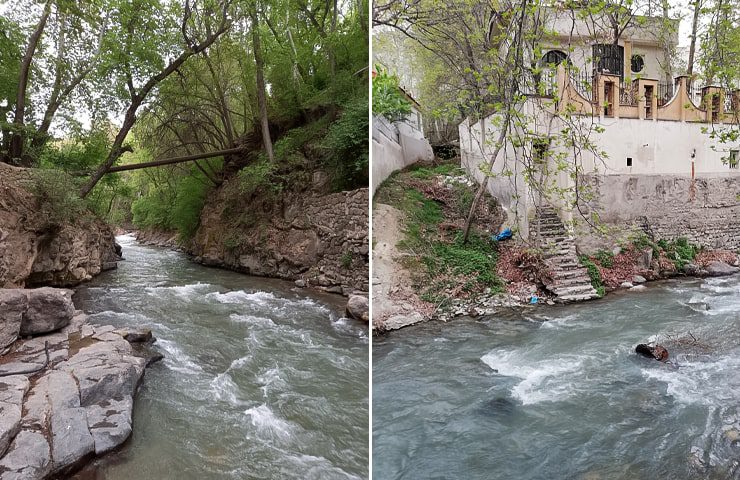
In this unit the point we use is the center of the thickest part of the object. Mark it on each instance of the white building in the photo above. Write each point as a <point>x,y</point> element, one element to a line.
<point>632,131</point>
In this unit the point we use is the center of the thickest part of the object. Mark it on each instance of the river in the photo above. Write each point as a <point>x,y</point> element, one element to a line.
<point>557,392</point>
<point>260,380</point>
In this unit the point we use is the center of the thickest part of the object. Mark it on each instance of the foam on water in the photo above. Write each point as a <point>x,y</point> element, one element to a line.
<point>270,379</point>
<point>268,424</point>
<point>185,291</point>
<point>240,296</point>
<point>557,323</point>
<point>699,382</point>
<point>225,389</point>
<point>545,380</point>
<point>252,320</point>
<point>177,360</point>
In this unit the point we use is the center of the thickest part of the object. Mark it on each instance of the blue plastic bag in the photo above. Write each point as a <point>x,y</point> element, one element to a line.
<point>505,235</point>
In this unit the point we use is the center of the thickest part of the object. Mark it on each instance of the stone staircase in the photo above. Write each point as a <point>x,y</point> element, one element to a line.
<point>571,282</point>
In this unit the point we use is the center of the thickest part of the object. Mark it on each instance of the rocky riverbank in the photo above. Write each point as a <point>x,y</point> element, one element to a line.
<point>316,239</point>
<point>43,242</point>
<point>76,398</point>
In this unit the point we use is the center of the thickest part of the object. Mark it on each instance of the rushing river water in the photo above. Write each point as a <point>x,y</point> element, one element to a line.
<point>557,393</point>
<point>258,382</point>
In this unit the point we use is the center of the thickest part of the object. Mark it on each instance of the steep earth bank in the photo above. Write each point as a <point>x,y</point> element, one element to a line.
<point>66,388</point>
<point>317,239</point>
<point>36,247</point>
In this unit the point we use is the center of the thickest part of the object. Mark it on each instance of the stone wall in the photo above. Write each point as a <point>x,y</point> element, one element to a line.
<point>706,210</point>
<point>316,239</point>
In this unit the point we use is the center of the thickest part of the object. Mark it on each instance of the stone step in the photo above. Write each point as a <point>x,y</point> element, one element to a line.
<point>570,274</point>
<point>576,298</point>
<point>558,284</point>
<point>572,290</point>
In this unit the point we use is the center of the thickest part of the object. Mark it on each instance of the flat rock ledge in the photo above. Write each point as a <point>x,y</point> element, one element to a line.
<point>78,406</point>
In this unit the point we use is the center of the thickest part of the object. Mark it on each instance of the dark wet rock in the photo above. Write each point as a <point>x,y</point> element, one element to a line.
<point>49,309</point>
<point>718,269</point>
<point>143,335</point>
<point>693,270</point>
<point>358,308</point>
<point>657,352</point>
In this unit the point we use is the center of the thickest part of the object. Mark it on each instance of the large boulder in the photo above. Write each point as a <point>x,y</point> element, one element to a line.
<point>718,269</point>
<point>71,438</point>
<point>13,303</point>
<point>358,308</point>
<point>29,457</point>
<point>49,309</point>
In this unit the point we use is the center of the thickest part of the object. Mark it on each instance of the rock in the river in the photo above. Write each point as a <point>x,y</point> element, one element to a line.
<point>658,352</point>
<point>718,269</point>
<point>71,438</point>
<point>110,423</point>
<point>13,303</point>
<point>692,269</point>
<point>358,308</point>
<point>637,279</point>
<point>79,406</point>
<point>29,457</point>
<point>49,309</point>
<point>626,285</point>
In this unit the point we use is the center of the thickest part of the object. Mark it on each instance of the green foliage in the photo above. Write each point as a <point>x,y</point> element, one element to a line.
<point>475,260</point>
<point>173,206</point>
<point>605,258</point>
<point>346,260</point>
<point>258,176</point>
<point>594,274</point>
<point>56,193</point>
<point>388,100</point>
<point>679,251</point>
<point>347,143</point>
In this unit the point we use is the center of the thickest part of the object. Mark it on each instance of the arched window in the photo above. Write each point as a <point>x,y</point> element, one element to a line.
<point>554,57</point>
<point>637,63</point>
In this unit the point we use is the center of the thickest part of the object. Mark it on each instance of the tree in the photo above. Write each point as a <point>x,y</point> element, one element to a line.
<point>148,62</point>
<point>260,66</point>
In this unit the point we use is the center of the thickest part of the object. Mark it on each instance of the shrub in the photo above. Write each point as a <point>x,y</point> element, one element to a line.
<point>57,195</point>
<point>388,100</point>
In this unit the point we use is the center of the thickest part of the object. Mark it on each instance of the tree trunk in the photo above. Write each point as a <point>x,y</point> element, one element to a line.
<point>668,47</point>
<point>138,98</point>
<point>484,184</point>
<point>692,45</point>
<point>16,144</point>
<point>261,98</point>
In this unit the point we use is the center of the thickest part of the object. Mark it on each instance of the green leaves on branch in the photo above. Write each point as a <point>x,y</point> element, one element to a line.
<point>388,100</point>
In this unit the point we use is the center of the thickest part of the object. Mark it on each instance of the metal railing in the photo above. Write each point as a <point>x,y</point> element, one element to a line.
<point>583,83</point>
<point>628,93</point>
<point>666,91</point>
<point>731,101</point>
